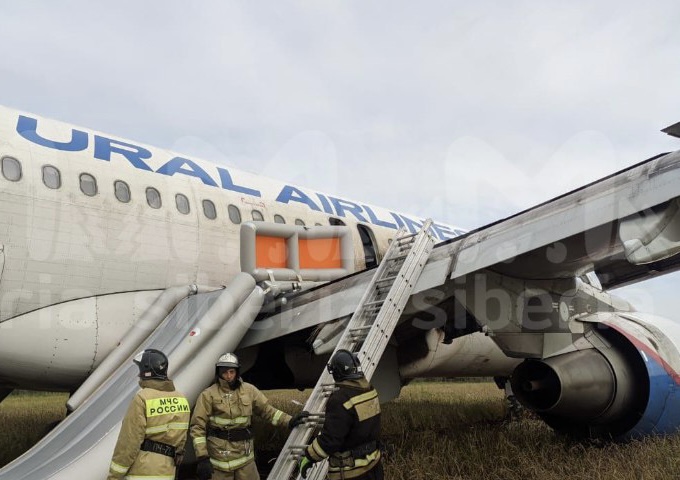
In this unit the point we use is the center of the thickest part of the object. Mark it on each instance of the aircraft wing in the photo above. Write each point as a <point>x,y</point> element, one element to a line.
<point>588,365</point>
<point>625,228</point>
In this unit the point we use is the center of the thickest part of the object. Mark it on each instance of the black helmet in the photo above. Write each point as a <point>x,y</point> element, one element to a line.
<point>153,364</point>
<point>344,365</point>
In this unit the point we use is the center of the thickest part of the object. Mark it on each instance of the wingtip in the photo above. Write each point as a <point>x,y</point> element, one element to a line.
<point>673,130</point>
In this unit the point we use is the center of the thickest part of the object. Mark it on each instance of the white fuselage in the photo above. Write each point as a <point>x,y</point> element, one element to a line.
<point>79,260</point>
<point>59,244</point>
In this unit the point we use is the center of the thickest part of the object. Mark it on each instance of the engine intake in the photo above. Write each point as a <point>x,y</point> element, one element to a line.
<point>579,384</point>
<point>587,392</point>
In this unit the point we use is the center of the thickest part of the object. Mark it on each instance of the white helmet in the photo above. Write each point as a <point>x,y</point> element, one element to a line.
<point>228,360</point>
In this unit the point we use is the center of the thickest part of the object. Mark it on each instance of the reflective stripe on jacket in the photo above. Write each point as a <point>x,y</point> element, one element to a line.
<point>352,421</point>
<point>221,408</point>
<point>157,412</point>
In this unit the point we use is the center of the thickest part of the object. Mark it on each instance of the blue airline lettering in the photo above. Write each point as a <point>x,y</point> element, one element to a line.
<point>324,204</point>
<point>375,220</point>
<point>442,232</point>
<point>412,225</point>
<point>104,147</point>
<point>27,128</point>
<point>177,165</point>
<point>228,184</point>
<point>400,222</point>
<point>289,193</point>
<point>342,206</point>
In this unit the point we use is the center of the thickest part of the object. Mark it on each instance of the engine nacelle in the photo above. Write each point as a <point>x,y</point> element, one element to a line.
<point>624,387</point>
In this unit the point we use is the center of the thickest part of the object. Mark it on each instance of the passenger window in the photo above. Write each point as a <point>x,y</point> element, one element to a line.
<point>299,222</point>
<point>88,184</point>
<point>11,169</point>
<point>318,225</point>
<point>234,214</point>
<point>336,222</point>
<point>51,177</point>
<point>279,219</point>
<point>209,209</point>
<point>153,197</point>
<point>182,203</point>
<point>257,216</point>
<point>122,191</point>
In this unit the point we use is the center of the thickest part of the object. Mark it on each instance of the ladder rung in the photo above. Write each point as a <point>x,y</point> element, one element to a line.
<point>387,279</point>
<point>406,237</point>
<point>358,335</point>
<point>365,327</point>
<point>372,309</point>
<point>370,316</point>
<point>392,272</point>
<point>314,419</point>
<point>376,303</point>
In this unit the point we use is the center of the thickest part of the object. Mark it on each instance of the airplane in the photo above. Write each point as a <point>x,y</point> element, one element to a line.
<point>95,228</point>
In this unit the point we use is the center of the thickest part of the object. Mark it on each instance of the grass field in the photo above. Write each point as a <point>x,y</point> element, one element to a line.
<point>434,431</point>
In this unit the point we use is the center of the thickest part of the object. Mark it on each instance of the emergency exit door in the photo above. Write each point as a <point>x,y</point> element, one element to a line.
<point>368,243</point>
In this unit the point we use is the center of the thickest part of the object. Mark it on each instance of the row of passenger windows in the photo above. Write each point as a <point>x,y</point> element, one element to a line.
<point>51,176</point>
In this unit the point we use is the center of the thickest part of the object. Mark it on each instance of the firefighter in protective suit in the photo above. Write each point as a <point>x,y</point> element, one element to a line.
<point>351,429</point>
<point>221,424</point>
<point>154,430</point>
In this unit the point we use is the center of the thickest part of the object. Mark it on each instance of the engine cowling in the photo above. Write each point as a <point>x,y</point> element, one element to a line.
<point>626,386</point>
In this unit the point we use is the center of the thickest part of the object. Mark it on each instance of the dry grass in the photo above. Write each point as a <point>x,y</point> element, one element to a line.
<point>435,431</point>
<point>456,431</point>
<point>25,419</point>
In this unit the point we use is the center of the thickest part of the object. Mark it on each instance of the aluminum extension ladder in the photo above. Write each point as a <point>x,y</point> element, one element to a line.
<point>367,334</point>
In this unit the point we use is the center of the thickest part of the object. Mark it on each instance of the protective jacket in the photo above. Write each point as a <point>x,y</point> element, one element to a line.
<point>153,432</point>
<point>220,424</point>
<point>351,431</point>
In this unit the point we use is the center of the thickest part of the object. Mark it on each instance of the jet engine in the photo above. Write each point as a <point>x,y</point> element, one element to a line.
<point>625,386</point>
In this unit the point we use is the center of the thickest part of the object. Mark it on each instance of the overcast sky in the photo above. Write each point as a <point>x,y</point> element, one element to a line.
<point>462,111</point>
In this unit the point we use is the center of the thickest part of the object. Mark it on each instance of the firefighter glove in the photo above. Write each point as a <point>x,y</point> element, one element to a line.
<point>305,466</point>
<point>204,469</point>
<point>297,419</point>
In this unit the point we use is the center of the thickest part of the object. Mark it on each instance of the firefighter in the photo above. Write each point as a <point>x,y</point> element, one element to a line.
<point>221,424</point>
<point>351,430</point>
<point>151,439</point>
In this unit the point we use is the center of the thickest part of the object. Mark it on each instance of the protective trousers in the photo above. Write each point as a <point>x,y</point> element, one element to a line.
<point>249,472</point>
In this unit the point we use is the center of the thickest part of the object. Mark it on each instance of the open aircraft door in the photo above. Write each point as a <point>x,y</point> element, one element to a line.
<point>369,246</point>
